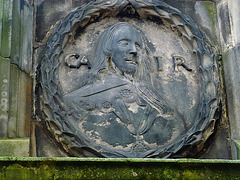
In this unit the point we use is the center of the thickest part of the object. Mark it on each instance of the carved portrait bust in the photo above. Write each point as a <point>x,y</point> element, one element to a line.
<point>119,106</point>
<point>128,93</point>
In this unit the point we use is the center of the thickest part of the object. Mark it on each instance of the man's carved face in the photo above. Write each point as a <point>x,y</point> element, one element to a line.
<point>127,44</point>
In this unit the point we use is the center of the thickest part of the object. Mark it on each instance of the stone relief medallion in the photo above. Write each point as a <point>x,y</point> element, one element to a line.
<point>129,79</point>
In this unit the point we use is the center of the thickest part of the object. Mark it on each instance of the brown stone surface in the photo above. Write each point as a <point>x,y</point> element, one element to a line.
<point>44,143</point>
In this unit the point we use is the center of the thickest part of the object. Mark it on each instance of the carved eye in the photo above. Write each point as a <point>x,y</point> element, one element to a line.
<point>123,43</point>
<point>138,46</point>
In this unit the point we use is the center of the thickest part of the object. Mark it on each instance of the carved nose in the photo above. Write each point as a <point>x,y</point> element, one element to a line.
<point>133,50</point>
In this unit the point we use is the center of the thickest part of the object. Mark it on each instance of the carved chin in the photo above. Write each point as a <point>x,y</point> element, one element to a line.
<point>129,69</point>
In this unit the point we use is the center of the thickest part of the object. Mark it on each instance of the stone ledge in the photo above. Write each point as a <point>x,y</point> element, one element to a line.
<point>96,168</point>
<point>14,147</point>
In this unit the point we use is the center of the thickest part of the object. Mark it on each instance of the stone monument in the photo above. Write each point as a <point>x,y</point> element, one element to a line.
<point>129,79</point>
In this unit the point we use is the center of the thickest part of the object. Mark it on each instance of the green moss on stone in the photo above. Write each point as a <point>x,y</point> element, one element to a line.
<point>237,143</point>
<point>14,147</point>
<point>95,168</point>
<point>212,13</point>
<point>211,7</point>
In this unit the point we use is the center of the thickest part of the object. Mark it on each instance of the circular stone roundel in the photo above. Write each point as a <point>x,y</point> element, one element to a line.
<point>129,78</point>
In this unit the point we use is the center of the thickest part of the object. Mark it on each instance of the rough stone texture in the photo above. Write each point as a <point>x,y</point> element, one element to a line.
<point>237,146</point>
<point>4,95</point>
<point>21,53</point>
<point>47,146</point>
<point>6,28</point>
<point>235,20</point>
<point>16,19</point>
<point>220,147</point>
<point>74,168</point>
<point>24,105</point>
<point>231,60</point>
<point>16,26</point>
<point>20,109</point>
<point>16,33</point>
<point>19,113</point>
<point>14,147</point>
<point>49,12</point>
<point>15,107</point>
<point>26,50</point>
<point>224,25</point>
<point>203,12</point>
<point>1,18</point>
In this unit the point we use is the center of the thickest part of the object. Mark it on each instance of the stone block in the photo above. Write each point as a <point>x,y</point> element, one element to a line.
<point>16,33</point>
<point>24,105</point>
<point>234,12</point>
<point>4,95</point>
<point>47,146</point>
<point>13,101</point>
<point>26,49</point>
<point>14,147</point>
<point>231,66</point>
<point>1,18</point>
<point>21,50</point>
<point>220,146</point>
<point>237,146</point>
<point>49,12</point>
<point>224,25</point>
<point>6,28</point>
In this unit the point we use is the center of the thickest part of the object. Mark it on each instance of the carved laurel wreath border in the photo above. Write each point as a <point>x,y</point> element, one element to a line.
<point>56,114</point>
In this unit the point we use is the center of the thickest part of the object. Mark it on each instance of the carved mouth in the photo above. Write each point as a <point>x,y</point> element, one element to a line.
<point>131,61</point>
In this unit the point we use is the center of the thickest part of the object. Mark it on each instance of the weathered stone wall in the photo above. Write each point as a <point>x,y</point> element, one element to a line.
<point>48,13</point>
<point>229,23</point>
<point>204,13</point>
<point>25,27</point>
<point>16,24</point>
